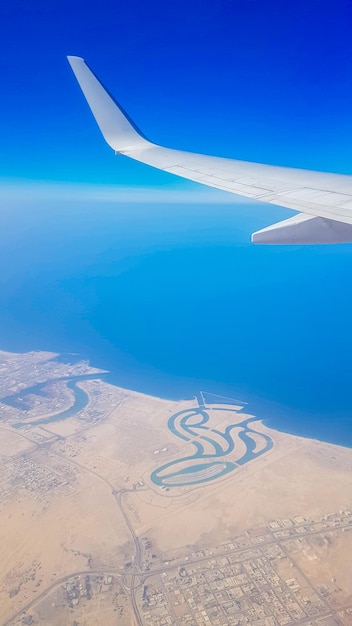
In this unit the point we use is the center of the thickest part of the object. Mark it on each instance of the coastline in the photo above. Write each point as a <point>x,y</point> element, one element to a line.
<point>253,405</point>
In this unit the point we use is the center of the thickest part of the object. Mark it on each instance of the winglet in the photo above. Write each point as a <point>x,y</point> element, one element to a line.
<point>117,129</point>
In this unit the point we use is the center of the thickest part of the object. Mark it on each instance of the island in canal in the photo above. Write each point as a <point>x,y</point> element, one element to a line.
<point>121,508</point>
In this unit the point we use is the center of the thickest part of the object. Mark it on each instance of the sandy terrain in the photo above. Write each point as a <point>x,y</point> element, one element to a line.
<point>73,493</point>
<point>284,485</point>
<point>327,562</point>
<point>48,532</point>
<point>12,443</point>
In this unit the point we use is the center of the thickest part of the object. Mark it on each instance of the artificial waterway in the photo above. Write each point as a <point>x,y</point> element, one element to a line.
<point>192,425</point>
<point>81,399</point>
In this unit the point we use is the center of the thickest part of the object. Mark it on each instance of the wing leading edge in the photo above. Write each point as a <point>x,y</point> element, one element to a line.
<point>324,200</point>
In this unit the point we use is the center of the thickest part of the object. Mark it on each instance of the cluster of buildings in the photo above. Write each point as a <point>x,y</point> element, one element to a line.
<point>96,591</point>
<point>19,371</point>
<point>251,581</point>
<point>23,473</point>
<point>77,588</point>
<point>35,384</point>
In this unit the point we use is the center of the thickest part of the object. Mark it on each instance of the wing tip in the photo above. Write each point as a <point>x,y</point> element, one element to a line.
<point>72,58</point>
<point>117,128</point>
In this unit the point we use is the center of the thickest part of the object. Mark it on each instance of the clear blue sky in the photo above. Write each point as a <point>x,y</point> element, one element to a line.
<point>266,81</point>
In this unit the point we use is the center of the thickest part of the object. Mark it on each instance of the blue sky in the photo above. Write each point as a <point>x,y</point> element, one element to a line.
<point>263,81</point>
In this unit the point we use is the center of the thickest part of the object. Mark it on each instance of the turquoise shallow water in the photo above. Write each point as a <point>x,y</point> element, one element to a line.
<point>81,399</point>
<point>210,447</point>
<point>176,301</point>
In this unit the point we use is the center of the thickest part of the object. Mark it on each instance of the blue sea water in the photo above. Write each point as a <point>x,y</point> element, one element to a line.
<point>174,299</point>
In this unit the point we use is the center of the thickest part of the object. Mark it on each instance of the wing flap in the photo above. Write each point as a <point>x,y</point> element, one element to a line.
<point>304,229</point>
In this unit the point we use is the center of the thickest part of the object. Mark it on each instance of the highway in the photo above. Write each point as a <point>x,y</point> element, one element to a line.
<point>137,560</point>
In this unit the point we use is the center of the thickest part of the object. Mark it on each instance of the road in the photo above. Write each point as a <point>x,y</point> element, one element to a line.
<point>137,560</point>
<point>141,577</point>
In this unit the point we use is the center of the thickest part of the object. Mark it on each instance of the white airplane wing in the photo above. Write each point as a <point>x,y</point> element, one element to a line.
<point>324,200</point>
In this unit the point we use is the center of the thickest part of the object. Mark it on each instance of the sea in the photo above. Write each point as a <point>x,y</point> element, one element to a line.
<point>173,299</point>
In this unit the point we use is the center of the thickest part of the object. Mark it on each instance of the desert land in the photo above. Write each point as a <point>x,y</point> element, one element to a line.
<point>121,508</point>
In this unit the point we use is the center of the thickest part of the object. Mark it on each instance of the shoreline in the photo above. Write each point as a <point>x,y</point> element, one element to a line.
<point>110,377</point>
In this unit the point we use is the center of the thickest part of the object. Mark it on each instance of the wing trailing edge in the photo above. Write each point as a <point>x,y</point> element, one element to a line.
<point>304,229</point>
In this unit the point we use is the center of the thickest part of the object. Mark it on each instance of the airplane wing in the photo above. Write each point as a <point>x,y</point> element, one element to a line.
<point>324,200</point>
